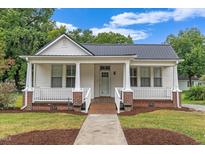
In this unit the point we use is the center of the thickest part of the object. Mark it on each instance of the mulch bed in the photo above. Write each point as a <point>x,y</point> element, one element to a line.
<point>45,137</point>
<point>21,111</point>
<point>152,136</point>
<point>137,110</point>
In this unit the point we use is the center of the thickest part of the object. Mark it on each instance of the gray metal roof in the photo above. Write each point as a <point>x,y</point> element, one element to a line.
<point>143,51</point>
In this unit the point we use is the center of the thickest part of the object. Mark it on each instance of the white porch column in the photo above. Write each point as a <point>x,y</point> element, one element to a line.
<point>127,76</point>
<point>77,78</point>
<point>175,78</point>
<point>29,76</point>
<point>124,80</point>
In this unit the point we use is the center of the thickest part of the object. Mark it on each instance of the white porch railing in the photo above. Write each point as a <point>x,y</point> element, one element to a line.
<point>87,98</point>
<point>118,98</point>
<point>54,94</point>
<point>152,93</point>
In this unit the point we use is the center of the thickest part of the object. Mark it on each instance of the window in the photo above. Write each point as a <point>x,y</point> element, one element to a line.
<point>157,77</point>
<point>56,76</point>
<point>133,76</point>
<point>145,76</point>
<point>104,67</point>
<point>70,76</point>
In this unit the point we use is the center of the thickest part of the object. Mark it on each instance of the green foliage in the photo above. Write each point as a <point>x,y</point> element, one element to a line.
<point>54,33</point>
<point>7,97</point>
<point>196,93</point>
<point>87,36</point>
<point>202,78</point>
<point>189,45</point>
<point>185,100</point>
<point>23,31</point>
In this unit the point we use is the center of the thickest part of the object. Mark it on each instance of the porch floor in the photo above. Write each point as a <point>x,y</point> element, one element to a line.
<point>102,105</point>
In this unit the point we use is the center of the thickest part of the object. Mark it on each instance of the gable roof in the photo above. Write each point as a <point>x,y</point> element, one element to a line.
<point>143,51</point>
<point>39,52</point>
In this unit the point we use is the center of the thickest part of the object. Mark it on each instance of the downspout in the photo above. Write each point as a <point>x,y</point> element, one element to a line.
<point>177,86</point>
<point>26,89</point>
<point>25,98</point>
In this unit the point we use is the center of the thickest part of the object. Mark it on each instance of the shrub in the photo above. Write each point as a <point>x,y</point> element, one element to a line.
<point>7,95</point>
<point>196,93</point>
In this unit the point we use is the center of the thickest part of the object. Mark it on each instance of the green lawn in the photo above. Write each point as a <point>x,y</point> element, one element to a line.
<point>187,101</point>
<point>19,100</point>
<point>14,123</point>
<point>189,123</point>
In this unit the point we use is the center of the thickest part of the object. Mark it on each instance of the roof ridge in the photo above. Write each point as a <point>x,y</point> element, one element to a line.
<point>107,44</point>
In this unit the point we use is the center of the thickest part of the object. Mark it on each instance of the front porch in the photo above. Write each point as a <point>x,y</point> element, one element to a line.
<point>78,84</point>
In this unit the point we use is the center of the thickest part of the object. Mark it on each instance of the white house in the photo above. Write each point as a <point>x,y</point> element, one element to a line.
<point>185,85</point>
<point>140,75</point>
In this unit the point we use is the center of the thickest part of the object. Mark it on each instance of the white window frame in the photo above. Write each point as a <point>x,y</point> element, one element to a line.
<point>56,76</point>
<point>133,76</point>
<point>157,77</point>
<point>145,77</point>
<point>70,76</point>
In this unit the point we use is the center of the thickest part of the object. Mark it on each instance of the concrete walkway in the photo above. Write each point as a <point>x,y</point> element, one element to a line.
<point>195,107</point>
<point>101,129</point>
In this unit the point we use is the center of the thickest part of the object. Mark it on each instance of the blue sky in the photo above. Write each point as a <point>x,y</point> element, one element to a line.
<point>144,25</point>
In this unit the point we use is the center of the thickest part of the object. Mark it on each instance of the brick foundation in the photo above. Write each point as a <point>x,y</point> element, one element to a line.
<point>153,103</point>
<point>77,100</point>
<point>29,99</point>
<point>128,100</point>
<point>50,106</point>
<point>174,96</point>
<point>159,103</point>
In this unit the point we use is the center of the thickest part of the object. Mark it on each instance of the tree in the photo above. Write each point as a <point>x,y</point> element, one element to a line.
<point>24,31</point>
<point>202,78</point>
<point>112,38</point>
<point>2,61</point>
<point>87,36</point>
<point>189,45</point>
<point>56,32</point>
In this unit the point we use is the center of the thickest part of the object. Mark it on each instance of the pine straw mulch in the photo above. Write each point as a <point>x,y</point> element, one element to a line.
<point>152,136</point>
<point>43,137</point>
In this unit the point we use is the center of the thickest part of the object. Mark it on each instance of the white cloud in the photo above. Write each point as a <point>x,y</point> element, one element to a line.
<point>69,27</point>
<point>135,34</point>
<point>130,18</point>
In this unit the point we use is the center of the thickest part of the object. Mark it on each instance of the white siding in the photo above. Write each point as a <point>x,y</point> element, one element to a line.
<point>64,47</point>
<point>167,77</point>
<point>87,77</point>
<point>117,79</point>
<point>43,75</point>
<point>183,85</point>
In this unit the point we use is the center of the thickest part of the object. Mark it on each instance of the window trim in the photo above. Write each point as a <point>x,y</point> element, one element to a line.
<point>70,76</point>
<point>134,77</point>
<point>157,77</point>
<point>145,77</point>
<point>61,66</point>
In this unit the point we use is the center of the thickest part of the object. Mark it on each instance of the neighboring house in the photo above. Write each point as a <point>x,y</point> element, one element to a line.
<point>134,75</point>
<point>184,82</point>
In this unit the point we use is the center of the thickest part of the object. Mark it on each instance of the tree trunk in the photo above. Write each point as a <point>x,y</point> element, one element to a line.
<point>190,83</point>
<point>16,78</point>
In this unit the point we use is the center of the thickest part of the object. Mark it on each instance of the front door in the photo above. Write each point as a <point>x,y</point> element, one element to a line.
<point>104,83</point>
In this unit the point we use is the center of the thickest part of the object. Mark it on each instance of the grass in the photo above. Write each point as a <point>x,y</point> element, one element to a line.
<point>19,100</point>
<point>189,123</point>
<point>187,101</point>
<point>14,123</point>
